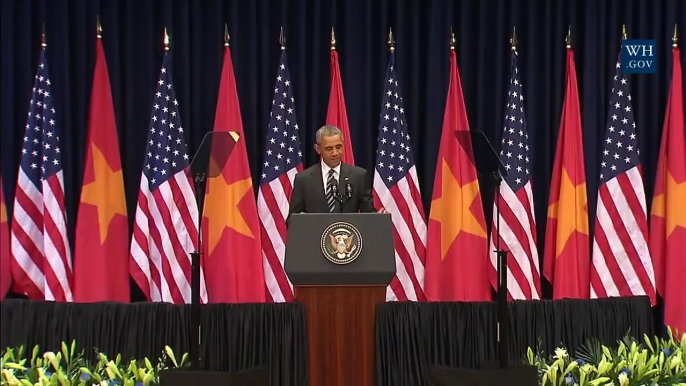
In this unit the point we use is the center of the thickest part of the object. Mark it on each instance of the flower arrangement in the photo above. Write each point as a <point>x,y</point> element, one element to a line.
<point>655,362</point>
<point>68,368</point>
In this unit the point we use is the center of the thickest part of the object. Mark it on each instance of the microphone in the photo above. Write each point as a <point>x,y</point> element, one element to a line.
<point>348,188</point>
<point>336,195</point>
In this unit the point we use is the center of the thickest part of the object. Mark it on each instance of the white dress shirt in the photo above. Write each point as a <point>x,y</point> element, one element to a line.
<point>325,173</point>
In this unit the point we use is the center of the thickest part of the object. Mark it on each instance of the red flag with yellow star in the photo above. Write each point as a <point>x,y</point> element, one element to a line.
<point>5,273</point>
<point>231,229</point>
<point>567,258</point>
<point>101,255</point>
<point>668,216</point>
<point>336,114</point>
<point>457,243</point>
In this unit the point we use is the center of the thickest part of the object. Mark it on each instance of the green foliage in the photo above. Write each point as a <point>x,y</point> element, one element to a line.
<point>69,368</point>
<point>653,362</point>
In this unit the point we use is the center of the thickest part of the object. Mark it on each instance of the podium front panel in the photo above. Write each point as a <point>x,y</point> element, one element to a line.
<point>340,249</point>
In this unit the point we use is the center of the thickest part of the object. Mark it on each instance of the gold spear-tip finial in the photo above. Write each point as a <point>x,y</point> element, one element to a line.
<point>675,39</point>
<point>98,28</point>
<point>166,39</point>
<point>42,37</point>
<point>513,39</point>
<point>333,40</point>
<point>624,31</point>
<point>282,40</point>
<point>568,40</point>
<point>226,35</point>
<point>391,42</point>
<point>452,39</point>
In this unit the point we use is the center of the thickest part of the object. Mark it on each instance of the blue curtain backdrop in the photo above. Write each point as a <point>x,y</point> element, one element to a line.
<point>132,38</point>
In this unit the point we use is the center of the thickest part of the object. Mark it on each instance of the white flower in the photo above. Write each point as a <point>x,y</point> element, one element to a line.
<point>560,353</point>
<point>623,379</point>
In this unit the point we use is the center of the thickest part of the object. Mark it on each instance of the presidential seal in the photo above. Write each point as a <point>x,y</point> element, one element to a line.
<point>341,243</point>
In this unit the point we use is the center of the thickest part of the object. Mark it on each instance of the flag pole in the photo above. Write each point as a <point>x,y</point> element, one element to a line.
<point>501,259</point>
<point>199,181</point>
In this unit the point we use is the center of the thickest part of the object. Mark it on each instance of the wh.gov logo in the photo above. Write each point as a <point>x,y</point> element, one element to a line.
<point>638,57</point>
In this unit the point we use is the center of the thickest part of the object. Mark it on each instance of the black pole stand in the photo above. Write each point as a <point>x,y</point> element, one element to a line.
<point>208,162</point>
<point>486,161</point>
<point>200,181</point>
<point>503,316</point>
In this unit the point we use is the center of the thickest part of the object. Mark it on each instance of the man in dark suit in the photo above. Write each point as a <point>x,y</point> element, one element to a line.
<point>331,186</point>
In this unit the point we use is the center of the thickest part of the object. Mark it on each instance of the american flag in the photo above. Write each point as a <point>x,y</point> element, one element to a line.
<point>517,222</point>
<point>165,228</point>
<point>282,161</point>
<point>621,265</point>
<point>41,264</point>
<point>396,189</point>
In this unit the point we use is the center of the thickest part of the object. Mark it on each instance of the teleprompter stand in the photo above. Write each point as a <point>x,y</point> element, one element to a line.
<point>208,162</point>
<point>487,163</point>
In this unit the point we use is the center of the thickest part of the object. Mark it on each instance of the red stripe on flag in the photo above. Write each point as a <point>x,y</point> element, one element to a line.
<point>34,213</point>
<point>612,265</point>
<point>277,268</point>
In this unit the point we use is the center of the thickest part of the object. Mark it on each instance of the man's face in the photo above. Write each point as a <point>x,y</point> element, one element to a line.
<point>331,149</point>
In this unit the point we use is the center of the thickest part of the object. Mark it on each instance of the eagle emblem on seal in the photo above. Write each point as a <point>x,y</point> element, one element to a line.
<point>341,243</point>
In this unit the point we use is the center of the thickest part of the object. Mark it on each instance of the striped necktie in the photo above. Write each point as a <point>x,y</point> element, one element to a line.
<point>330,201</point>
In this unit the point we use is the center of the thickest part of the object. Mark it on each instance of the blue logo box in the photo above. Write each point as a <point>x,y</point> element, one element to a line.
<point>639,57</point>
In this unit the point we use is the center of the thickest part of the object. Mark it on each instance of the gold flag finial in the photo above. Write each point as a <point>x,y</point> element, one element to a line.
<point>42,37</point>
<point>624,31</point>
<point>333,40</point>
<point>282,40</point>
<point>452,39</point>
<point>226,35</point>
<point>513,39</point>
<point>98,28</point>
<point>166,40</point>
<point>675,39</point>
<point>568,40</point>
<point>391,42</point>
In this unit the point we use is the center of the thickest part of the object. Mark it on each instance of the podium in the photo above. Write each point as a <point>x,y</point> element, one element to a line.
<point>340,265</point>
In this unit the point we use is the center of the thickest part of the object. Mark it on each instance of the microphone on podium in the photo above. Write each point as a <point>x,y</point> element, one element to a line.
<point>348,188</point>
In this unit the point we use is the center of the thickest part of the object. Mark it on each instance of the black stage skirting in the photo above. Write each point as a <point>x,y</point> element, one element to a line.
<point>410,336</point>
<point>237,336</point>
<point>413,337</point>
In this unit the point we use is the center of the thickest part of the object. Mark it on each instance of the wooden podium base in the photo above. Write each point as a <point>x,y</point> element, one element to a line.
<point>341,333</point>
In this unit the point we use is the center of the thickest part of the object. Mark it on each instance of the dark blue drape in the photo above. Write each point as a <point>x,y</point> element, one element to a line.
<point>132,37</point>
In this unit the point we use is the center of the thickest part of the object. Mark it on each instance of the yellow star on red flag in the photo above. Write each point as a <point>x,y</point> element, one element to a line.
<point>453,221</point>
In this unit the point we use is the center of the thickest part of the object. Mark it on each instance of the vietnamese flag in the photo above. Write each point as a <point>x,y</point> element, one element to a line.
<point>668,216</point>
<point>5,273</point>
<point>457,244</point>
<point>101,255</point>
<point>231,229</point>
<point>567,259</point>
<point>337,115</point>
